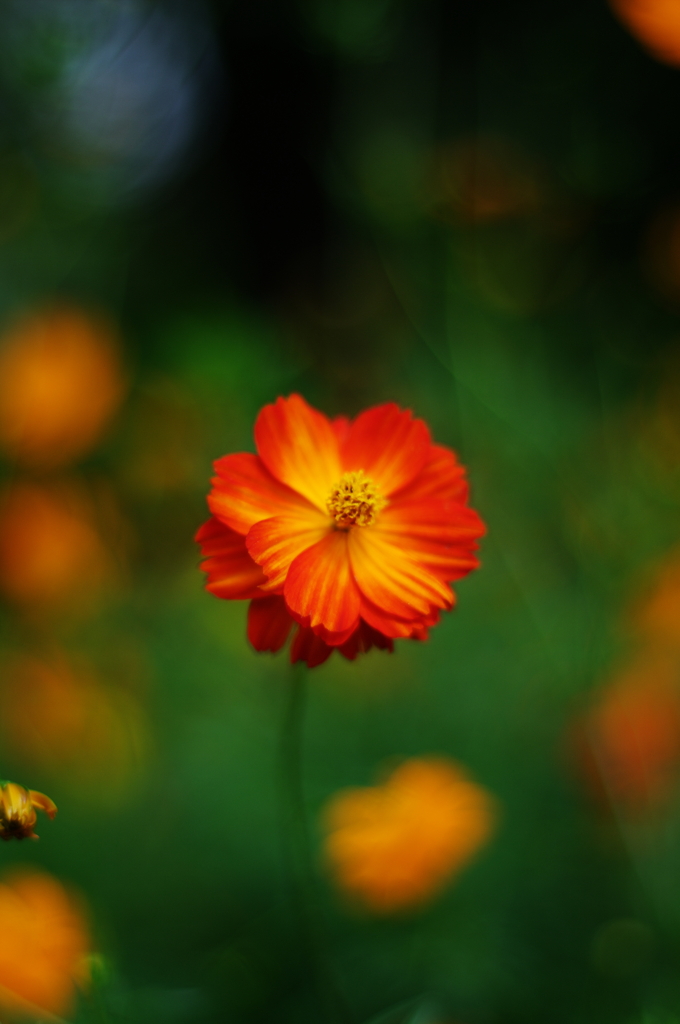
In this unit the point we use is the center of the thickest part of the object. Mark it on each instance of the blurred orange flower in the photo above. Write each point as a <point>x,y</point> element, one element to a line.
<point>655,23</point>
<point>50,548</point>
<point>353,530</point>
<point>657,616</point>
<point>44,942</point>
<point>17,810</point>
<point>629,743</point>
<point>56,714</point>
<point>394,846</point>
<point>60,383</point>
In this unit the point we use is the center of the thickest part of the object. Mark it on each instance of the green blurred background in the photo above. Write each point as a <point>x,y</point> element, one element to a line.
<point>466,207</point>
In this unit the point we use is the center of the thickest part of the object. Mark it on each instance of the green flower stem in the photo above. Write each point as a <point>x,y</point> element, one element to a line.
<point>298,847</point>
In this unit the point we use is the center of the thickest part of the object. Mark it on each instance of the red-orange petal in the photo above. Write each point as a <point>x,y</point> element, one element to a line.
<point>441,477</point>
<point>439,535</point>
<point>309,647</point>
<point>299,447</point>
<point>393,626</point>
<point>269,623</point>
<point>391,580</point>
<point>244,491</point>
<point>320,588</point>
<point>275,543</point>
<point>363,639</point>
<point>389,445</point>
<point>232,573</point>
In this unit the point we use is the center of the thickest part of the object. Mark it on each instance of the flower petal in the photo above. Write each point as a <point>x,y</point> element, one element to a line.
<point>320,589</point>
<point>363,639</point>
<point>269,623</point>
<point>391,580</point>
<point>232,574</point>
<point>275,543</point>
<point>309,647</point>
<point>439,535</point>
<point>244,491</point>
<point>442,476</point>
<point>43,803</point>
<point>389,445</point>
<point>299,447</point>
<point>393,626</point>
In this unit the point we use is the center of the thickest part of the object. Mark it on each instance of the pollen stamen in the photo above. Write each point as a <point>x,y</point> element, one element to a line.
<point>355,500</point>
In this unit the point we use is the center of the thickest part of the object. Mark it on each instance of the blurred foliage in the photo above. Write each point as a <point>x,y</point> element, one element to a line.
<point>467,208</point>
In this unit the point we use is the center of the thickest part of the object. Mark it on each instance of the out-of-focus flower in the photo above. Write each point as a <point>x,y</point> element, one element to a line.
<point>656,618</point>
<point>44,942</point>
<point>394,846</point>
<point>655,23</point>
<point>50,548</point>
<point>353,530</point>
<point>60,383</point>
<point>57,714</point>
<point>17,810</point>
<point>629,743</point>
<point>482,180</point>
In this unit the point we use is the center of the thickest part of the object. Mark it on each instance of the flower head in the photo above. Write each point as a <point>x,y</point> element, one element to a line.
<point>354,531</point>
<point>17,811</point>
<point>394,846</point>
<point>44,942</point>
<point>61,381</point>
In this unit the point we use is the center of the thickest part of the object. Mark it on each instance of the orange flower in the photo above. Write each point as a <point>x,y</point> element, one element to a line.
<point>352,530</point>
<point>395,846</point>
<point>60,383</point>
<point>44,942</point>
<point>656,23</point>
<point>50,549</point>
<point>629,744</point>
<point>17,811</point>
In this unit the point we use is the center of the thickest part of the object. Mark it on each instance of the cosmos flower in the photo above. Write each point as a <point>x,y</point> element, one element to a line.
<point>394,846</point>
<point>44,942</point>
<point>353,530</point>
<point>17,811</point>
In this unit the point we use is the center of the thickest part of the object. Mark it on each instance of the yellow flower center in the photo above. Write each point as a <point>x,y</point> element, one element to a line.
<point>355,500</point>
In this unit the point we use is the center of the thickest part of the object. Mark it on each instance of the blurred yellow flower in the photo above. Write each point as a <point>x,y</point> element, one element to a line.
<point>394,846</point>
<point>60,383</point>
<point>655,23</point>
<point>50,547</point>
<point>17,811</point>
<point>44,942</point>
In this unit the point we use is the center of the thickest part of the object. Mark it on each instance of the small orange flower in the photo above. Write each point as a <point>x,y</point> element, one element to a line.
<point>629,744</point>
<point>60,383</point>
<point>656,23</point>
<point>394,846</point>
<point>353,530</point>
<point>44,942</point>
<point>17,811</point>
<point>50,548</point>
